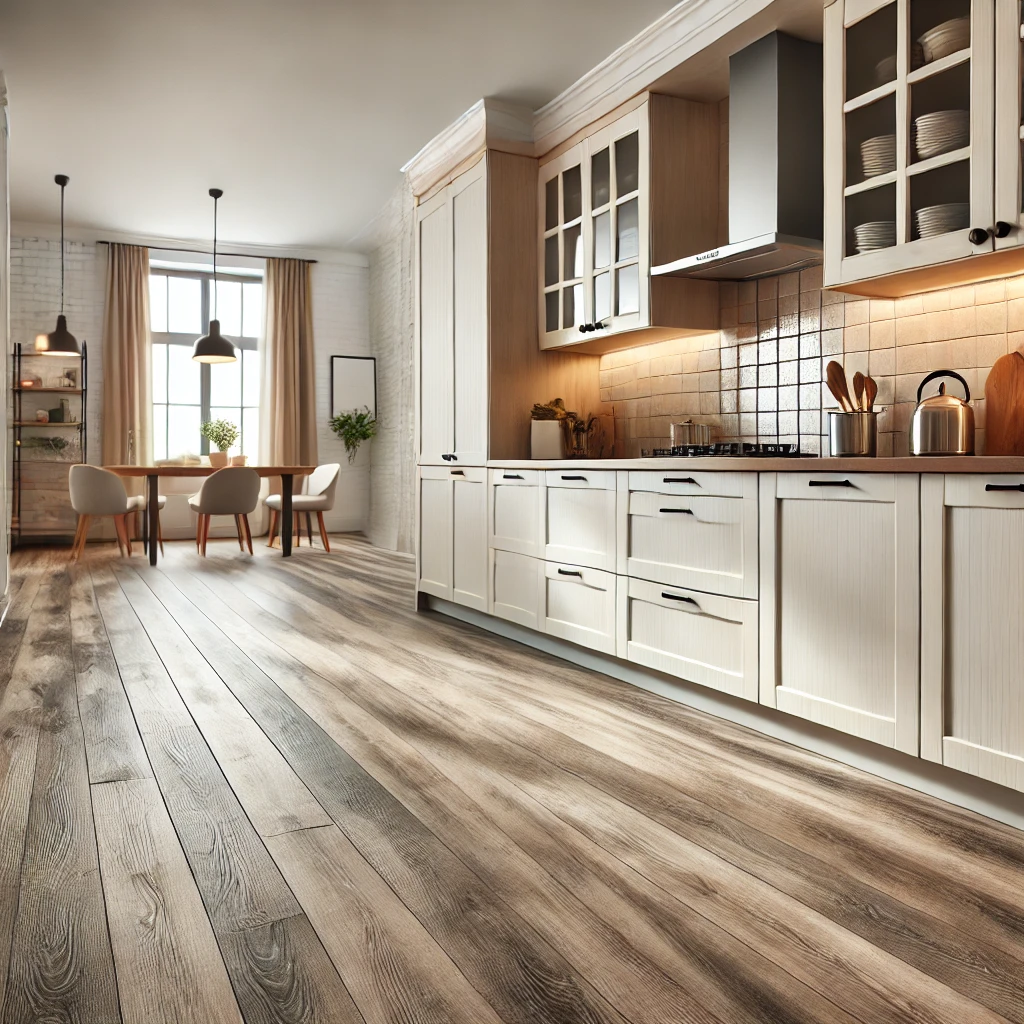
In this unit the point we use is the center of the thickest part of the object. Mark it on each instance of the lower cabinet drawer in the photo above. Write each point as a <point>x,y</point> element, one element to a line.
<point>578,604</point>
<point>579,519</point>
<point>701,638</point>
<point>516,588</point>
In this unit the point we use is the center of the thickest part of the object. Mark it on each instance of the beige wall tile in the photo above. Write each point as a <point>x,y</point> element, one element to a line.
<point>882,362</point>
<point>882,334</point>
<point>990,348</point>
<point>990,291</point>
<point>912,330</point>
<point>857,312</point>
<point>992,318</point>
<point>963,352</point>
<point>935,301</point>
<point>881,309</point>
<point>856,339</point>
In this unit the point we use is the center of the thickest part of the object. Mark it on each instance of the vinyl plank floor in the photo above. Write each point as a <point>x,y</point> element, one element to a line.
<point>250,789</point>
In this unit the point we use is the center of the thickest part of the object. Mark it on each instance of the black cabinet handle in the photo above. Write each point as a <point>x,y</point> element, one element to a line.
<point>1002,229</point>
<point>829,483</point>
<point>570,572</point>
<point>453,457</point>
<point>511,476</point>
<point>678,511</point>
<point>679,597</point>
<point>582,479</point>
<point>458,472</point>
<point>978,236</point>
<point>1004,487</point>
<point>680,480</point>
<point>447,458</point>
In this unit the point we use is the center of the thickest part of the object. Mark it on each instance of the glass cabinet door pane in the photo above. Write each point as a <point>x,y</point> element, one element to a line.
<point>572,240</point>
<point>572,194</point>
<point>600,179</point>
<point>551,260</point>
<point>572,306</point>
<point>551,312</point>
<point>627,289</point>
<point>602,240</point>
<point>602,296</point>
<point>627,164</point>
<point>551,204</point>
<point>628,231</point>
<point>871,52</point>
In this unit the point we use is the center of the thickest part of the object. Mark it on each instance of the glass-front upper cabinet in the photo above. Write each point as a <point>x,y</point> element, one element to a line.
<point>1009,123</point>
<point>909,134</point>
<point>564,307</point>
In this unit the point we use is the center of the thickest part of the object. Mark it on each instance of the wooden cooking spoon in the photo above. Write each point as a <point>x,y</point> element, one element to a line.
<point>870,393</point>
<point>858,391</point>
<point>835,377</point>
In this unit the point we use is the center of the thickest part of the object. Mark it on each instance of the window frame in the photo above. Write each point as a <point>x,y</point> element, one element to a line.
<point>249,344</point>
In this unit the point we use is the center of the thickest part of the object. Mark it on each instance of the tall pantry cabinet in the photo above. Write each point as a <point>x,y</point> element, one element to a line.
<point>480,370</point>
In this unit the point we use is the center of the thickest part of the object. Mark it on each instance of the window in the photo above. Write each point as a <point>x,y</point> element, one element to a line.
<point>185,393</point>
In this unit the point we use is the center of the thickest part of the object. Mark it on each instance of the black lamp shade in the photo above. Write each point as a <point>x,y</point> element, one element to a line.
<point>60,342</point>
<point>214,347</point>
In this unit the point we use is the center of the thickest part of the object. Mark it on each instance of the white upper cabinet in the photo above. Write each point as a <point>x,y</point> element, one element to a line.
<point>911,137</point>
<point>1009,124</point>
<point>642,186</point>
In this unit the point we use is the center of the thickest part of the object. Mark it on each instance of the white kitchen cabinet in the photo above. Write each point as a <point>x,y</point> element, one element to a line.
<point>695,530</point>
<point>579,517</point>
<point>881,75</point>
<point>453,534</point>
<point>453,322</point>
<point>972,634</point>
<point>516,582</point>
<point>702,638</point>
<point>578,604</point>
<point>839,605</point>
<point>516,515</point>
<point>1009,114</point>
<point>640,190</point>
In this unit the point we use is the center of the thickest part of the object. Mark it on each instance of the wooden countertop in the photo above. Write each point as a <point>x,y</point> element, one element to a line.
<point>921,464</point>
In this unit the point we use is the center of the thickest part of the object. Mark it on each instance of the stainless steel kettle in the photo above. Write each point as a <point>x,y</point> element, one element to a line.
<point>942,424</point>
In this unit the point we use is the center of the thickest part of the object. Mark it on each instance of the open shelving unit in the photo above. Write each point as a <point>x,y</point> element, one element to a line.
<point>23,427</point>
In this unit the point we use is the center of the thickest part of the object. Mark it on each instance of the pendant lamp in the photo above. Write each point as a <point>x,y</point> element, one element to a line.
<point>214,347</point>
<point>59,342</point>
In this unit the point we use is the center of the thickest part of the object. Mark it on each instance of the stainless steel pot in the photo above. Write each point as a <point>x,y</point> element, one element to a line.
<point>942,424</point>
<point>689,432</point>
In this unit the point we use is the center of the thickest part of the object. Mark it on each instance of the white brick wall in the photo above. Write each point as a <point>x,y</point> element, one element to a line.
<point>340,327</point>
<point>393,477</point>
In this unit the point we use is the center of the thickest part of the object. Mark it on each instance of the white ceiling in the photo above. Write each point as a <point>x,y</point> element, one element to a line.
<point>302,111</point>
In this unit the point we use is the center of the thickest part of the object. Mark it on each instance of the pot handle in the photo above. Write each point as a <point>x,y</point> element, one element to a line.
<point>943,373</point>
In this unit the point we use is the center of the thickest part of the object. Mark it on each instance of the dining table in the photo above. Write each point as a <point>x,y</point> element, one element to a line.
<point>154,473</point>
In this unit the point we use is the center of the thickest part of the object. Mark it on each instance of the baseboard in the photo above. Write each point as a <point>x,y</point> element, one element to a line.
<point>986,798</point>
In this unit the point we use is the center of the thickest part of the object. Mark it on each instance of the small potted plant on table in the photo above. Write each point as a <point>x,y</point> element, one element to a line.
<point>223,434</point>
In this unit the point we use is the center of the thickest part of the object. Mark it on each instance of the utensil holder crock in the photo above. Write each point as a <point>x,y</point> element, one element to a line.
<point>853,433</point>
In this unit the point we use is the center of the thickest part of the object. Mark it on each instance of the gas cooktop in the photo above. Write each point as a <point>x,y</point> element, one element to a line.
<point>731,449</point>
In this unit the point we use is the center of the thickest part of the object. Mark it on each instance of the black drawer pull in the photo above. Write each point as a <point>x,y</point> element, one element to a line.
<point>678,511</point>
<point>458,472</point>
<point>582,478</point>
<point>570,572</point>
<point>830,483</point>
<point>679,597</point>
<point>453,457</point>
<point>447,458</point>
<point>1004,487</point>
<point>680,480</point>
<point>511,476</point>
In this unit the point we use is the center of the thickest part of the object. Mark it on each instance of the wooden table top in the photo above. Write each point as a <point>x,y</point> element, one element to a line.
<point>206,470</point>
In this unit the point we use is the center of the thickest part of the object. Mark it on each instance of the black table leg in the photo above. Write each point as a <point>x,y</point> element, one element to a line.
<point>286,514</point>
<point>152,512</point>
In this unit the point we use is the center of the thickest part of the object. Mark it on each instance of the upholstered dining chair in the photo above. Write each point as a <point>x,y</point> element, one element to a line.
<point>233,491</point>
<point>97,492</point>
<point>317,496</point>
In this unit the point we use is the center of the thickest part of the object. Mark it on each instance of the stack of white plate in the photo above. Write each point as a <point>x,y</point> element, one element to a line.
<point>878,155</point>
<point>941,132</point>
<point>947,38</point>
<point>942,219</point>
<point>875,234</point>
<point>885,69</point>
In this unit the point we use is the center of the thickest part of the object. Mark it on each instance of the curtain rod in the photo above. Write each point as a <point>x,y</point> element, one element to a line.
<point>202,252</point>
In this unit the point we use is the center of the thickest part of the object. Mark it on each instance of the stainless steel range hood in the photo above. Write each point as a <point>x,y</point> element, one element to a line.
<point>776,173</point>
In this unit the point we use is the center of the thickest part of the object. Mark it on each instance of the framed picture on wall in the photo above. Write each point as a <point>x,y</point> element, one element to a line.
<point>353,384</point>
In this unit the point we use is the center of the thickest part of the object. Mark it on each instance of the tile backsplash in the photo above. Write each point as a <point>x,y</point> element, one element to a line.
<point>761,377</point>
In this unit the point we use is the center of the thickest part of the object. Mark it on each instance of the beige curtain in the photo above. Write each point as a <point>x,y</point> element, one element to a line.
<point>288,406</point>
<point>127,358</point>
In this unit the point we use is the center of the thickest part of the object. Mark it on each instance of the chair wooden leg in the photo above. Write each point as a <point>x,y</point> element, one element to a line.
<point>79,543</point>
<point>248,532</point>
<point>206,533</point>
<point>238,530</point>
<point>122,533</point>
<point>127,535</point>
<point>309,528</point>
<point>199,533</point>
<point>323,532</point>
<point>273,527</point>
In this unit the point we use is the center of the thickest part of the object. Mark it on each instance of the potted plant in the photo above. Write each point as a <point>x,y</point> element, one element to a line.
<point>354,428</point>
<point>223,434</point>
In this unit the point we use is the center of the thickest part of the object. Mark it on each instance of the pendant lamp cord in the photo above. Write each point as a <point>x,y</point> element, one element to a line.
<point>62,250</point>
<point>215,198</point>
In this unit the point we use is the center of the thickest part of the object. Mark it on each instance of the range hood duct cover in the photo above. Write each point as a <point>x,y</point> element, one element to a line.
<point>776,165</point>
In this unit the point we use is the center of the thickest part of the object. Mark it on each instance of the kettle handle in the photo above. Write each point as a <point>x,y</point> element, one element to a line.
<point>943,373</point>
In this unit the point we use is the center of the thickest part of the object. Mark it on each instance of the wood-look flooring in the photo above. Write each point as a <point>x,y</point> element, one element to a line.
<point>254,789</point>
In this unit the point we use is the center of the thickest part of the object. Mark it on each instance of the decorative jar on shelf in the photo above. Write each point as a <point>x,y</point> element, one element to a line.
<point>218,459</point>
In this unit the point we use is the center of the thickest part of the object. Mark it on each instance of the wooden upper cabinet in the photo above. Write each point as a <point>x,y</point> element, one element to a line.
<point>635,191</point>
<point>923,134</point>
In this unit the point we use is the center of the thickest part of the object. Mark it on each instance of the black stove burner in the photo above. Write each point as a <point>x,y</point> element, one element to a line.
<point>730,449</point>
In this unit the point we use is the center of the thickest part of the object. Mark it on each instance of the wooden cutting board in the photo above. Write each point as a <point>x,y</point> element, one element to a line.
<point>1004,406</point>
